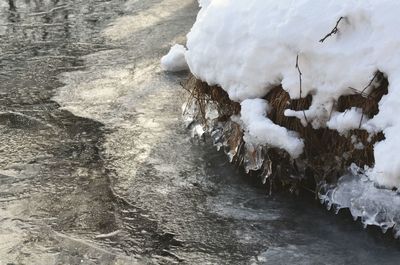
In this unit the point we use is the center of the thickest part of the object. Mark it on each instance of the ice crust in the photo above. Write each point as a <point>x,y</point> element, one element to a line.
<point>248,47</point>
<point>372,204</point>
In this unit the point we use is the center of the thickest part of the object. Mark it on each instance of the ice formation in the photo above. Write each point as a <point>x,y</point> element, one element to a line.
<point>175,60</point>
<point>372,205</point>
<point>323,48</point>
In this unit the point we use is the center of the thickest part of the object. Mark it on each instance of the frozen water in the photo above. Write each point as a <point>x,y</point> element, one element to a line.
<point>372,204</point>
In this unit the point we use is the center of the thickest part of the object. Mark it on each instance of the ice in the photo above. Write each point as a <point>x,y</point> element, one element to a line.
<point>372,204</point>
<point>253,157</point>
<point>227,135</point>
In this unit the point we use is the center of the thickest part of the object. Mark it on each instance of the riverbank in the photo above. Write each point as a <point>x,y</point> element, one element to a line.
<point>103,170</point>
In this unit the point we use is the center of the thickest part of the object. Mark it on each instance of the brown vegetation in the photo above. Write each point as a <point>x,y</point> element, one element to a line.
<point>327,154</point>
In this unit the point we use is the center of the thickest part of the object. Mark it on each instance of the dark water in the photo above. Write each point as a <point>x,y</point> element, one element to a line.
<point>97,168</point>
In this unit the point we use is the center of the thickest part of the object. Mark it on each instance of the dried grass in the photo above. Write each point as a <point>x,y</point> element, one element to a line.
<point>201,93</point>
<point>327,154</point>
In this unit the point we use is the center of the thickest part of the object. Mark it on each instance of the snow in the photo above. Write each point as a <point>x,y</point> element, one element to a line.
<point>343,122</point>
<point>261,130</point>
<point>248,47</point>
<point>387,166</point>
<point>204,3</point>
<point>175,60</point>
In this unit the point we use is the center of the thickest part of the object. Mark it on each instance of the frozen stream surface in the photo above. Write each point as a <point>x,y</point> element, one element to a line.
<point>97,168</point>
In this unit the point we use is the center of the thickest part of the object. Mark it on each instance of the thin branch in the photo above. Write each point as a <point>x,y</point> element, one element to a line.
<point>334,31</point>
<point>362,117</point>
<point>370,82</point>
<point>362,92</point>
<point>300,74</point>
<point>300,83</point>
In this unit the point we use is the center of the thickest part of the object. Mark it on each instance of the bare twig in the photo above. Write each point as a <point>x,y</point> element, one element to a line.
<point>362,117</point>
<point>300,74</point>
<point>361,93</point>
<point>366,95</point>
<point>300,83</point>
<point>334,30</point>
<point>370,82</point>
<point>191,96</point>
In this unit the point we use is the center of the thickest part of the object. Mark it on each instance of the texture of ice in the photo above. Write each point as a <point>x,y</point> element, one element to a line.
<point>175,60</point>
<point>321,48</point>
<point>375,206</point>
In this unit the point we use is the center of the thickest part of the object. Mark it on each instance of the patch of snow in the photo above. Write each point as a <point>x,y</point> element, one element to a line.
<point>204,3</point>
<point>343,122</point>
<point>175,60</point>
<point>357,143</point>
<point>261,130</point>
<point>387,161</point>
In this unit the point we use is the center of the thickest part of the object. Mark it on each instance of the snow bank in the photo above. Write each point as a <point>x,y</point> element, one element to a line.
<point>175,60</point>
<point>247,47</point>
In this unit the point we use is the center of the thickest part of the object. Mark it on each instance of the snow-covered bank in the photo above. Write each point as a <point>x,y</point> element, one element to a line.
<point>326,49</point>
<point>318,85</point>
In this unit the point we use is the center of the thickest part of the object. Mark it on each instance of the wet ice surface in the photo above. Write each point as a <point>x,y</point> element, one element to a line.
<point>113,177</point>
